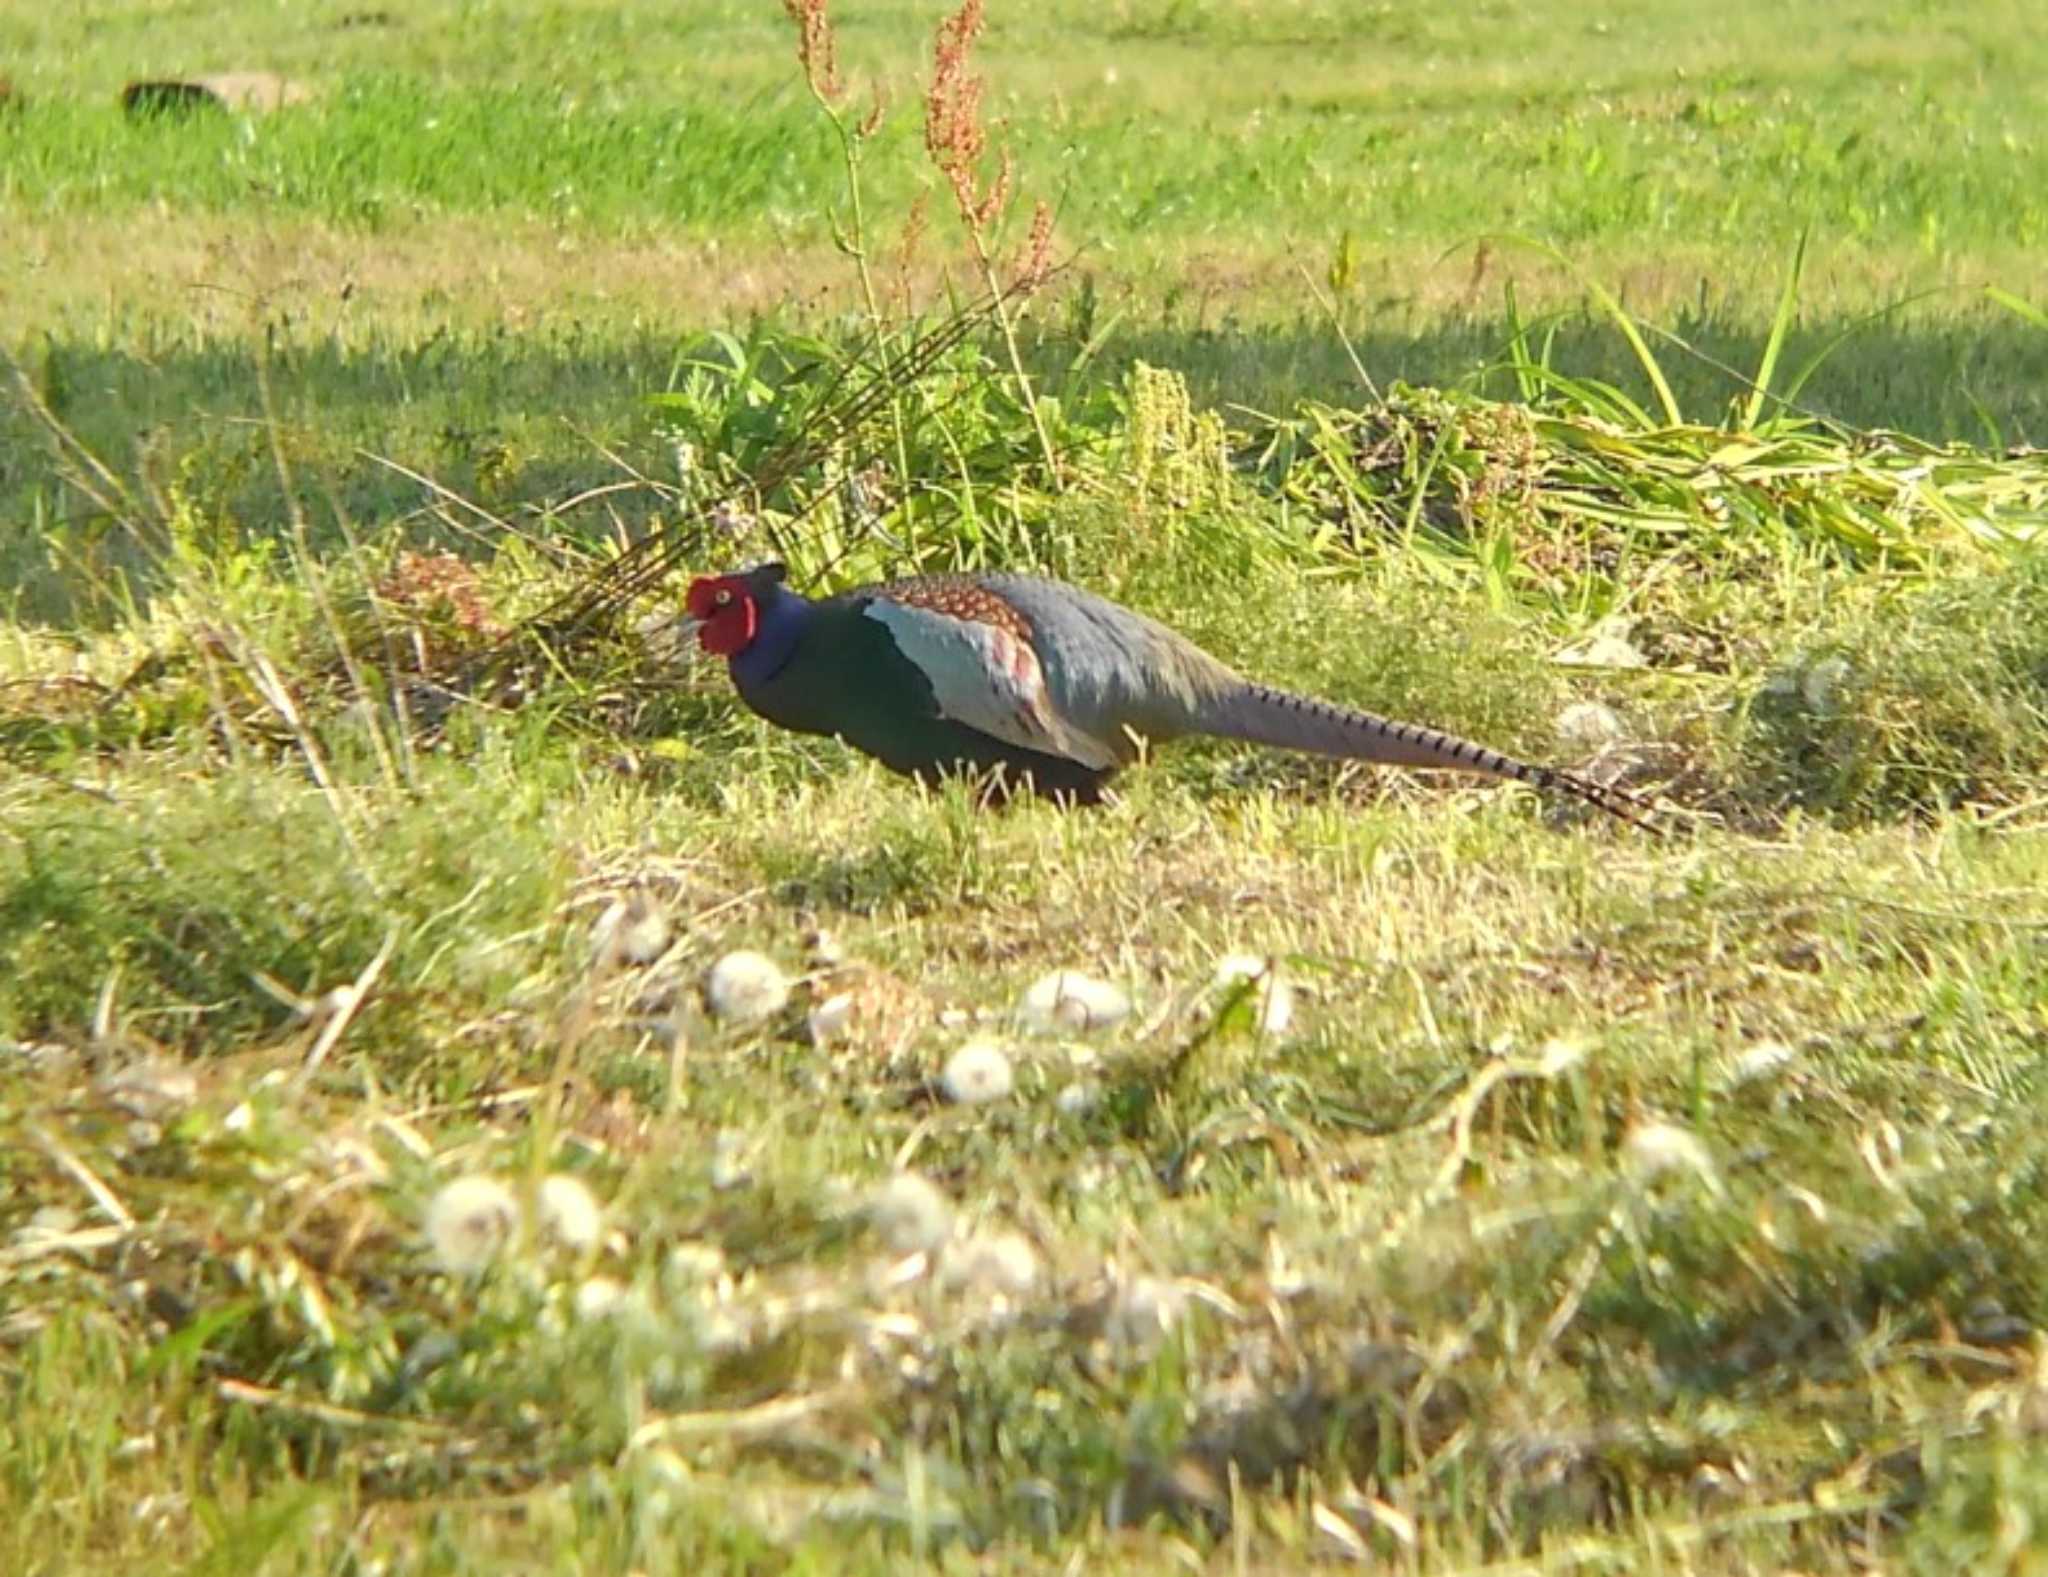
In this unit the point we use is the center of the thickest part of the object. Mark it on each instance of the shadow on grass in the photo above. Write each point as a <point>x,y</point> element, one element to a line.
<point>522,424</point>
<point>1979,377</point>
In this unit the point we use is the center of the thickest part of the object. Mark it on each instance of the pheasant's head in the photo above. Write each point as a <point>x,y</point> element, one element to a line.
<point>726,609</point>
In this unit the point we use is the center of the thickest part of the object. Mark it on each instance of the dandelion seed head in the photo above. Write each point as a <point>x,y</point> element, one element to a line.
<point>666,1467</point>
<point>568,1213</point>
<point>995,1264</point>
<point>1608,647</point>
<point>1144,1309</point>
<point>1068,1000</point>
<point>632,930</point>
<point>1764,1060</point>
<point>1587,726</point>
<point>825,949</point>
<point>692,1267</point>
<point>910,1214</point>
<point>829,1020</point>
<point>469,1222</point>
<point>1655,1149</point>
<point>50,1221</point>
<point>154,1089</point>
<point>979,1072</point>
<point>1823,685</point>
<point>745,987</point>
<point>599,1297</point>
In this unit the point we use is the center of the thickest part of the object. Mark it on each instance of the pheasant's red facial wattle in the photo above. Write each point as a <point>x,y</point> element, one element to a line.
<point>727,619</point>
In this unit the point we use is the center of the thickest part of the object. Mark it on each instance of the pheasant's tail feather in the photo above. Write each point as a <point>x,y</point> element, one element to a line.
<point>1261,715</point>
<point>1631,808</point>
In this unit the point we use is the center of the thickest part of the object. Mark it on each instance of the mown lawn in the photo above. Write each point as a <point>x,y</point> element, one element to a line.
<point>1445,1181</point>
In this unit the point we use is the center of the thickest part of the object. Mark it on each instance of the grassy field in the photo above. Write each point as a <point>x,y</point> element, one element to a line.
<point>1559,1198</point>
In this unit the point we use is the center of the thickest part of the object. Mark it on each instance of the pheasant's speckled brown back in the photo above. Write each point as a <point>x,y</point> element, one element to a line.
<point>958,597</point>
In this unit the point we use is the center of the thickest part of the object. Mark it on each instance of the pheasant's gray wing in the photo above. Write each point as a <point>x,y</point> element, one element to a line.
<point>984,673</point>
<point>1113,673</point>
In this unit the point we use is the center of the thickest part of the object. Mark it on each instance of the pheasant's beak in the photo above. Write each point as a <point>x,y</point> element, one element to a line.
<point>690,628</point>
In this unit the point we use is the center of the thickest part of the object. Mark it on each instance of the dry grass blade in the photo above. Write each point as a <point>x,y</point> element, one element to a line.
<point>244,1394</point>
<point>81,467</point>
<point>741,1423</point>
<point>349,1004</point>
<point>68,1159</point>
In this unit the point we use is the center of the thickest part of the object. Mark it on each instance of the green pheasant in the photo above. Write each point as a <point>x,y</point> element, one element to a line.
<point>1034,684</point>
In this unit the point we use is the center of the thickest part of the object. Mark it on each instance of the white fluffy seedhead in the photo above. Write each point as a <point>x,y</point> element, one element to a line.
<point>745,987</point>
<point>1657,1149</point>
<point>1070,1002</point>
<point>568,1213</point>
<point>469,1223</point>
<point>992,1264</point>
<point>979,1072</point>
<point>910,1214</point>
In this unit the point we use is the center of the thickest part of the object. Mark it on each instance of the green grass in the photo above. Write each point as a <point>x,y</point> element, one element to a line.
<point>1191,146</point>
<point>1609,1203</point>
<point>1893,128</point>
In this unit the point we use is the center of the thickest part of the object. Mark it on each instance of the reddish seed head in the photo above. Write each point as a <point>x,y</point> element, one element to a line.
<point>954,136</point>
<point>816,48</point>
<point>726,614</point>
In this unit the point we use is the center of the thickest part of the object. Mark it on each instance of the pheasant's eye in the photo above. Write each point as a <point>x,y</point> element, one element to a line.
<point>721,599</point>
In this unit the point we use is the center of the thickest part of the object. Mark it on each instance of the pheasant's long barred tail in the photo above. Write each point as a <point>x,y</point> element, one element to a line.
<point>1329,729</point>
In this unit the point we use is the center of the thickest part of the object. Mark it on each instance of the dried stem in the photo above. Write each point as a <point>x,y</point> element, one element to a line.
<point>956,141</point>
<point>817,51</point>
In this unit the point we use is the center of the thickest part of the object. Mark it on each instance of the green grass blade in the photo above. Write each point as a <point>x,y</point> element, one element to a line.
<point>1667,402</point>
<point>2018,305</point>
<point>1781,322</point>
<point>1524,365</point>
